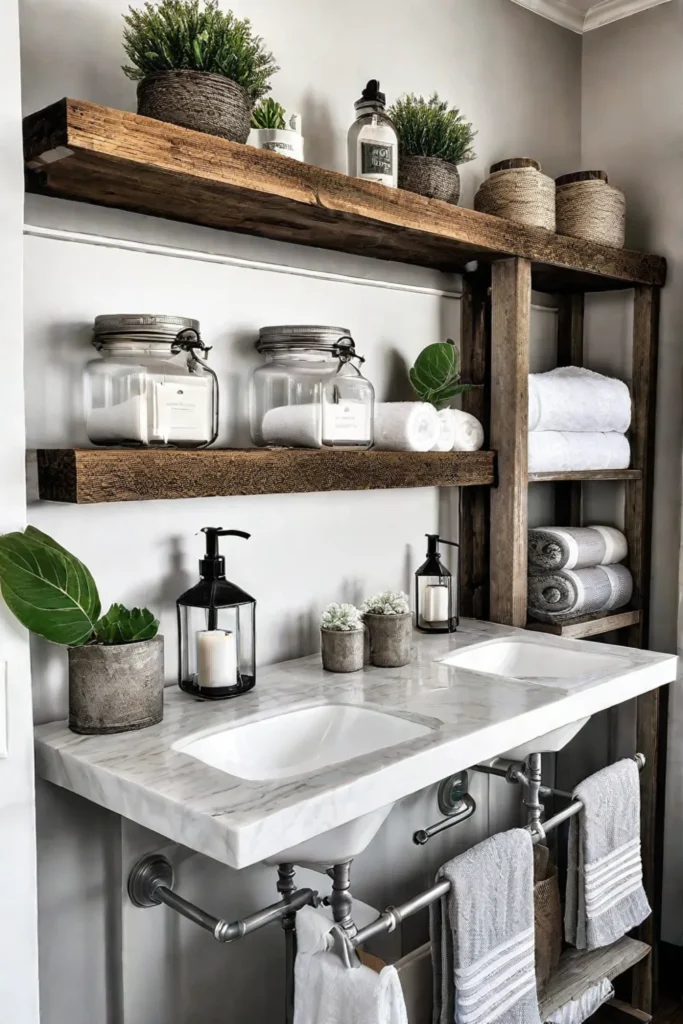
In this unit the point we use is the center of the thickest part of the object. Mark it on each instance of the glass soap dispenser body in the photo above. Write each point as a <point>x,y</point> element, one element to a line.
<point>216,629</point>
<point>372,140</point>
<point>436,591</point>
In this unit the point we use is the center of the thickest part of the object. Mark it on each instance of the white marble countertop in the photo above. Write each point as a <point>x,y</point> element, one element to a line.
<point>472,717</point>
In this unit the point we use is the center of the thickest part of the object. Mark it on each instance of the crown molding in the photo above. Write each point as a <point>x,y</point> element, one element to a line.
<point>563,12</point>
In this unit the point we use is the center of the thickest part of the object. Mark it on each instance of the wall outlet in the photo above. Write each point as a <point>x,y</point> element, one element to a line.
<point>3,709</point>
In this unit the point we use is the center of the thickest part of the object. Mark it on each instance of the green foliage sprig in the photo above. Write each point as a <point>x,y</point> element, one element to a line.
<point>436,375</point>
<point>342,617</point>
<point>430,128</point>
<point>389,602</point>
<point>195,35</point>
<point>54,595</point>
<point>268,114</point>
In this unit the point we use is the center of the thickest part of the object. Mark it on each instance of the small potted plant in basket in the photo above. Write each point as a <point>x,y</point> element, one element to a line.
<point>342,638</point>
<point>272,129</point>
<point>116,661</point>
<point>196,66</point>
<point>433,140</point>
<point>387,616</point>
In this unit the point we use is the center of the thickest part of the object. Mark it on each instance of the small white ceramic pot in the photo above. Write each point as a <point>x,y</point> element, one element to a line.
<point>278,140</point>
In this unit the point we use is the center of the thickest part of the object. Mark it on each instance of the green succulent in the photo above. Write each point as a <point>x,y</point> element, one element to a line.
<point>436,375</point>
<point>430,128</point>
<point>342,617</point>
<point>122,626</point>
<point>195,35</point>
<point>389,602</point>
<point>268,114</point>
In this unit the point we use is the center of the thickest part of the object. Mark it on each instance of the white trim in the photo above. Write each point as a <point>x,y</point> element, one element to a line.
<point>562,12</point>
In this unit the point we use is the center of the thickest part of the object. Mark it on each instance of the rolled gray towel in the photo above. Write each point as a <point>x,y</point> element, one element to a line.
<point>574,547</point>
<point>556,596</point>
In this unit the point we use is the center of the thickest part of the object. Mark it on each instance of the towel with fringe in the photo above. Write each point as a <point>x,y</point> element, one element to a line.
<point>574,547</point>
<point>556,596</point>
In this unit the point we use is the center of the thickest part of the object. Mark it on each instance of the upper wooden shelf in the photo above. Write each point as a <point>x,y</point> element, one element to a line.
<point>89,475</point>
<point>78,150</point>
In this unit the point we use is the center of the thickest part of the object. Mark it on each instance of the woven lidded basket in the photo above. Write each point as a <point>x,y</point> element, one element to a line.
<point>429,176</point>
<point>199,100</point>
<point>589,207</point>
<point>519,191</point>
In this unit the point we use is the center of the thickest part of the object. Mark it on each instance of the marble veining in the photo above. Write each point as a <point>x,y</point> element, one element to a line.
<point>472,716</point>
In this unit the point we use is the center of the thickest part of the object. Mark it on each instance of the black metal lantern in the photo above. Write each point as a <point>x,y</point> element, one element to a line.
<point>216,629</point>
<point>436,591</point>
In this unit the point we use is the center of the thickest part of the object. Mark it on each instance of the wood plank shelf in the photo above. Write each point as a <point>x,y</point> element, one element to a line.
<point>587,625</point>
<point>90,475</point>
<point>78,150</point>
<point>578,970</point>
<point>586,475</point>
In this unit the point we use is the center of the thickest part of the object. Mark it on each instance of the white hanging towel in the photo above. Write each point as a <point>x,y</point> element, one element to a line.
<point>328,992</point>
<point>555,451</point>
<point>573,398</point>
<point>447,432</point>
<point>406,426</point>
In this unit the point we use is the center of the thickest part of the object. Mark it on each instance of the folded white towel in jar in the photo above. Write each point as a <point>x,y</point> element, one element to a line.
<point>574,398</point>
<point>406,426</point>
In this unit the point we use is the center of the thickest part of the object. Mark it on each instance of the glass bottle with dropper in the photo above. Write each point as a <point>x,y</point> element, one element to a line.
<point>372,139</point>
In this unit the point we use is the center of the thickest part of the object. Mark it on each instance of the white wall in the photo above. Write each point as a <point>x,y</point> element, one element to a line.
<point>18,932</point>
<point>517,77</point>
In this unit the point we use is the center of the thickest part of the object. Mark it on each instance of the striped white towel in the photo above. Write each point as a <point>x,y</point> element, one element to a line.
<point>483,935</point>
<point>605,894</point>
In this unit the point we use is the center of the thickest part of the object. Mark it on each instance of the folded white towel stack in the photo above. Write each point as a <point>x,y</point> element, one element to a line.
<point>406,426</point>
<point>555,451</point>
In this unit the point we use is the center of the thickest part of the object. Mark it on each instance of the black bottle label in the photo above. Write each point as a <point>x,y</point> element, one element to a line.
<point>377,158</point>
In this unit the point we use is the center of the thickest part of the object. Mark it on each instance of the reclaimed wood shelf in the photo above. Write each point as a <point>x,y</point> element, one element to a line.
<point>586,475</point>
<point>78,150</point>
<point>582,626</point>
<point>579,970</point>
<point>89,475</point>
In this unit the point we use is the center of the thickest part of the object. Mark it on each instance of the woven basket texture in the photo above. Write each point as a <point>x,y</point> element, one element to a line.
<point>199,100</point>
<point>522,194</point>
<point>429,176</point>
<point>547,917</point>
<point>593,210</point>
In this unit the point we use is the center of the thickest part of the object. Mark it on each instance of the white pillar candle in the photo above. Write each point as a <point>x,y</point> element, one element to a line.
<point>435,604</point>
<point>216,658</point>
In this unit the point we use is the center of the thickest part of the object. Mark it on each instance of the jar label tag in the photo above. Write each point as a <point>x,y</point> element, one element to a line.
<point>377,159</point>
<point>181,410</point>
<point>346,422</point>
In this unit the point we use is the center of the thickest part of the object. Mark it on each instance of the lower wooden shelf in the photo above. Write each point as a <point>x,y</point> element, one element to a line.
<point>90,475</point>
<point>586,475</point>
<point>587,625</point>
<point>579,969</point>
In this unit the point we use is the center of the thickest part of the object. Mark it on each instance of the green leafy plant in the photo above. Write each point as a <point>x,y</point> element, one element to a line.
<point>268,114</point>
<point>430,128</point>
<point>195,35</point>
<point>343,617</point>
<point>389,602</point>
<point>436,374</point>
<point>54,595</point>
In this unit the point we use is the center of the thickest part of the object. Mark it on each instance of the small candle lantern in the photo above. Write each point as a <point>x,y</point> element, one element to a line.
<point>436,593</point>
<point>216,629</point>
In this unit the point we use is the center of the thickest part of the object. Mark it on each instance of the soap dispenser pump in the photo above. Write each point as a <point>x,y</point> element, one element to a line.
<point>436,595</point>
<point>216,629</point>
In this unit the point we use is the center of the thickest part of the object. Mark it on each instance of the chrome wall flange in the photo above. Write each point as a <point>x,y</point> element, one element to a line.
<point>149,873</point>
<point>450,794</point>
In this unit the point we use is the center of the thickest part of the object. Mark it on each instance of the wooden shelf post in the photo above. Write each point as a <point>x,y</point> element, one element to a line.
<point>510,332</point>
<point>568,493</point>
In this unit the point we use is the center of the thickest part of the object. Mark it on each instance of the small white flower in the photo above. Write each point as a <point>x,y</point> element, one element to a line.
<point>344,617</point>
<point>389,602</point>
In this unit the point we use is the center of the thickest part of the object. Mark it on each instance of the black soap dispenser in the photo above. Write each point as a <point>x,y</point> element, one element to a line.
<point>216,629</point>
<point>436,592</point>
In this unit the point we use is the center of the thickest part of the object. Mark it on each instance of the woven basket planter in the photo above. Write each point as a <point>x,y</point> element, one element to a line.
<point>198,100</point>
<point>518,190</point>
<point>589,207</point>
<point>430,176</point>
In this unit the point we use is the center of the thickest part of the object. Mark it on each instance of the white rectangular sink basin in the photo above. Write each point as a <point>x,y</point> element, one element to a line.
<point>532,659</point>
<point>299,742</point>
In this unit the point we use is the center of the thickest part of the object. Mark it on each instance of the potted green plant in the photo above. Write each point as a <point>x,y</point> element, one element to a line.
<point>116,661</point>
<point>433,139</point>
<point>196,65</point>
<point>387,616</point>
<point>435,378</point>
<point>272,129</point>
<point>342,637</point>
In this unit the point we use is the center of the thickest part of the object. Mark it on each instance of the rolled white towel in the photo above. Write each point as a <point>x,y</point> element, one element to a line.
<point>574,398</point>
<point>469,433</point>
<point>296,426</point>
<point>555,451</point>
<point>406,426</point>
<point>447,432</point>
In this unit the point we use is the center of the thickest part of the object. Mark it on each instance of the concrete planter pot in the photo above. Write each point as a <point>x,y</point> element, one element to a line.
<point>390,638</point>
<point>342,649</point>
<point>116,689</point>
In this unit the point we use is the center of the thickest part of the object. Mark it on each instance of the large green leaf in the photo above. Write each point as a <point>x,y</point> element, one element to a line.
<point>49,590</point>
<point>122,626</point>
<point>436,374</point>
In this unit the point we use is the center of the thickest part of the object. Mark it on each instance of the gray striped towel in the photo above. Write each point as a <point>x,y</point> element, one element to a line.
<point>574,547</point>
<point>605,895</point>
<point>482,935</point>
<point>556,596</point>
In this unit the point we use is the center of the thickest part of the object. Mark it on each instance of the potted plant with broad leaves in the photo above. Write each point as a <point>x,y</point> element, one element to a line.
<point>274,130</point>
<point>433,139</point>
<point>116,661</point>
<point>387,616</point>
<point>342,637</point>
<point>196,65</point>
<point>435,378</point>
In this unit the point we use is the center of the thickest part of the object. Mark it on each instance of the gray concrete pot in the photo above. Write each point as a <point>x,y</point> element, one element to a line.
<point>116,689</point>
<point>342,649</point>
<point>390,637</point>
